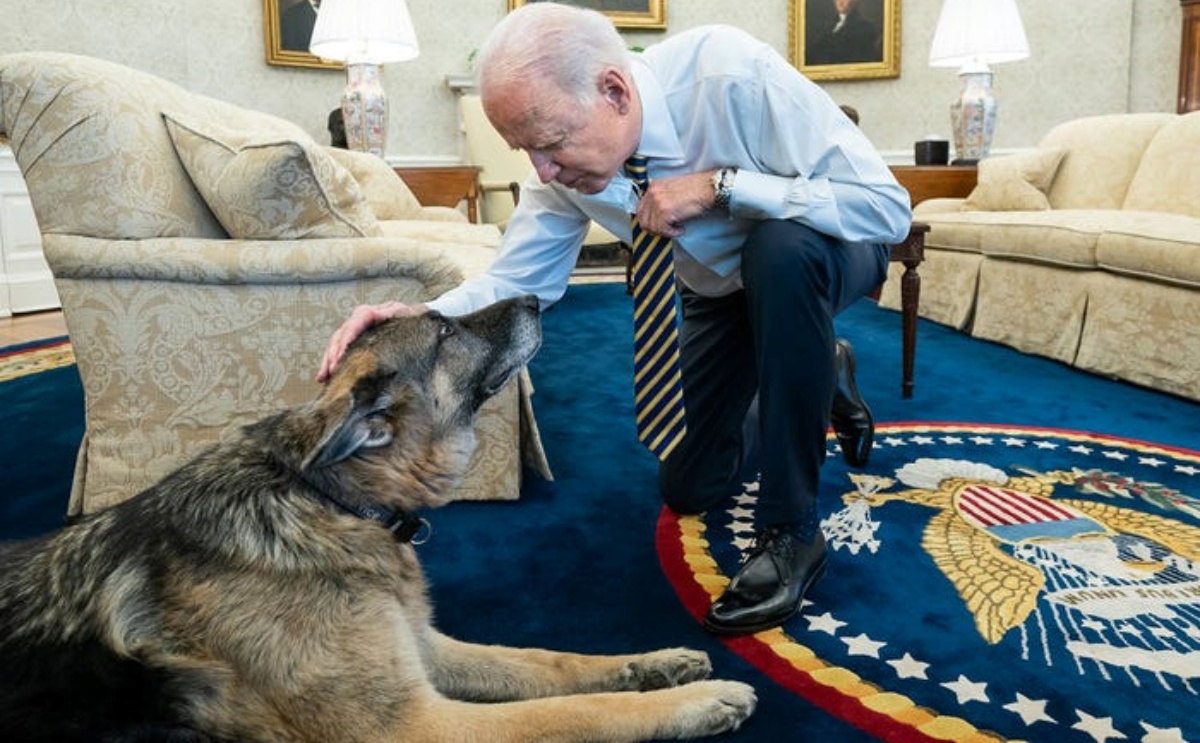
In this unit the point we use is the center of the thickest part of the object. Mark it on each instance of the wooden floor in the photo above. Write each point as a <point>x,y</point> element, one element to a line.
<point>31,327</point>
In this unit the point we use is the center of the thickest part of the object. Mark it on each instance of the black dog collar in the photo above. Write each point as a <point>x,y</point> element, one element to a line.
<point>404,526</point>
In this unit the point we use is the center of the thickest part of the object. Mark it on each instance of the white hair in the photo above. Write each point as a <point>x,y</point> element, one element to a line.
<point>561,44</point>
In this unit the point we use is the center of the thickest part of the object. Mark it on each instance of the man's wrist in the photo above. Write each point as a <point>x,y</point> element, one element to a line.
<point>722,183</point>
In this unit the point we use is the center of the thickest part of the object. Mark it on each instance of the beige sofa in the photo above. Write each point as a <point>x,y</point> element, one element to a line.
<point>1085,250</point>
<point>204,253</point>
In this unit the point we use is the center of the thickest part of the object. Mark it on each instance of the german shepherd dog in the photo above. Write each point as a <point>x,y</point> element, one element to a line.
<point>268,590</point>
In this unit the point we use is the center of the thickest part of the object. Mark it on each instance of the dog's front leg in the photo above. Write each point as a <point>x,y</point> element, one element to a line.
<point>496,673</point>
<point>689,711</point>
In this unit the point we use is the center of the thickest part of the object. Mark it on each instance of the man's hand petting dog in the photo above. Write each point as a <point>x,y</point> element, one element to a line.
<point>363,317</point>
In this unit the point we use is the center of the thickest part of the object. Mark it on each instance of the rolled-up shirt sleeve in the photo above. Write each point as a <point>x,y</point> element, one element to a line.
<point>808,162</point>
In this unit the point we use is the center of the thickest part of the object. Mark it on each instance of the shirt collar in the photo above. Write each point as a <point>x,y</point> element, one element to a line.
<point>659,139</point>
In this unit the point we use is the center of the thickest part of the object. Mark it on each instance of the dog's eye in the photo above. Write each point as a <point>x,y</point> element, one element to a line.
<point>445,330</point>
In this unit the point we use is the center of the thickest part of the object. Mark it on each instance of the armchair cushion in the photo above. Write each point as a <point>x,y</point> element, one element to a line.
<point>270,186</point>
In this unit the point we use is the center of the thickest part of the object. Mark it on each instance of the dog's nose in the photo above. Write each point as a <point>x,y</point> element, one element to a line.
<point>528,301</point>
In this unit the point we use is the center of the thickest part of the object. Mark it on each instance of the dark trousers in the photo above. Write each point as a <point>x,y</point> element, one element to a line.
<point>771,345</point>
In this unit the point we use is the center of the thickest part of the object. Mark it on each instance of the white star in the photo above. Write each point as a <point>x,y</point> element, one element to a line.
<point>1017,443</point>
<point>892,441</point>
<point>740,513</point>
<point>952,440</point>
<point>743,544</point>
<point>1100,728</point>
<point>923,440</point>
<point>983,440</point>
<point>751,487</point>
<point>863,645</point>
<point>1030,710</point>
<point>1161,735</point>
<point>909,667</point>
<point>1186,469</point>
<point>1120,456</point>
<point>1080,449</point>
<point>1151,461</point>
<point>745,500</point>
<point>1045,445</point>
<point>741,527</point>
<point>825,623</point>
<point>967,690</point>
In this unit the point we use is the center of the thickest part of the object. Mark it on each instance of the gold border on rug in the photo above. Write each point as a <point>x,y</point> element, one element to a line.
<point>806,16</point>
<point>36,360</point>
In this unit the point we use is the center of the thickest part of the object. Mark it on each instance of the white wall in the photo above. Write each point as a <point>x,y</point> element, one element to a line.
<point>1089,57</point>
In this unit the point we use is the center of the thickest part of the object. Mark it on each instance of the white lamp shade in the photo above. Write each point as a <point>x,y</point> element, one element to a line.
<point>970,32</point>
<point>364,32</point>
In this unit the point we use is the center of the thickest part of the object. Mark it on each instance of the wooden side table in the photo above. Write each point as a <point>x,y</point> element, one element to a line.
<point>910,252</point>
<point>445,185</point>
<point>922,182</point>
<point>935,181</point>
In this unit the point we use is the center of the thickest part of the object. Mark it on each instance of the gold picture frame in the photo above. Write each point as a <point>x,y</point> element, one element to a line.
<point>287,26</point>
<point>852,53</point>
<point>639,14</point>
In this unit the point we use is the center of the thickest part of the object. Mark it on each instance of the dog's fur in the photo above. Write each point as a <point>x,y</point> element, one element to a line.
<point>237,600</point>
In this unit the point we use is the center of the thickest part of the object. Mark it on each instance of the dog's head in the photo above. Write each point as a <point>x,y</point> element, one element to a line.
<point>395,423</point>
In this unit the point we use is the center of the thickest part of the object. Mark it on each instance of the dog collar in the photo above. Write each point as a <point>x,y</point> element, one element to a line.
<point>404,526</point>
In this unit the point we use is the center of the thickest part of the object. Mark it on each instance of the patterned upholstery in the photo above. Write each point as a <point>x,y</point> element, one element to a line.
<point>182,333</point>
<point>1105,276</point>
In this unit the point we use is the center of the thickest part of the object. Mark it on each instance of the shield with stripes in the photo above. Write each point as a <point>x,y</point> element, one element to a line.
<point>1013,516</point>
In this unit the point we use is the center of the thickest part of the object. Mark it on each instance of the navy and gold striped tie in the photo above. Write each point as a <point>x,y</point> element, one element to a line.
<point>657,384</point>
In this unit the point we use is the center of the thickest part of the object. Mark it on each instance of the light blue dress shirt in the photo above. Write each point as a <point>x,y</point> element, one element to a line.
<point>712,97</point>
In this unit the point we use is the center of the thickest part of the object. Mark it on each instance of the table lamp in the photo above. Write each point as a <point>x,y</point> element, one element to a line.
<point>364,34</point>
<point>970,35</point>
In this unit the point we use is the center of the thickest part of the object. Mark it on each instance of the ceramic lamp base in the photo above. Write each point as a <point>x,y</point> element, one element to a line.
<point>973,117</point>
<point>364,107</point>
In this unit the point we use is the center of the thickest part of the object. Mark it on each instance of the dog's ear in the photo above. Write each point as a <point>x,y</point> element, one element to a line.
<point>351,426</point>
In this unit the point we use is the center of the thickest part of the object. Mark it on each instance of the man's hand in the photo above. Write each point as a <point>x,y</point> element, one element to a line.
<point>670,202</point>
<point>363,317</point>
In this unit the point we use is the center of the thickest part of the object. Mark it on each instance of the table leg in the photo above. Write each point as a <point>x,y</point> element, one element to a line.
<point>910,300</point>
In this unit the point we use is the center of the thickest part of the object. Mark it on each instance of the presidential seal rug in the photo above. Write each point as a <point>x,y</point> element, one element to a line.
<point>985,583</point>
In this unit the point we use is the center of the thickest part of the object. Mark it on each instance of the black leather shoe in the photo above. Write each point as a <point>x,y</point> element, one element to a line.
<point>850,416</point>
<point>768,589</point>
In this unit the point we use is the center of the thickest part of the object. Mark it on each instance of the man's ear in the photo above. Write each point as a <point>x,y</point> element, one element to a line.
<point>616,89</point>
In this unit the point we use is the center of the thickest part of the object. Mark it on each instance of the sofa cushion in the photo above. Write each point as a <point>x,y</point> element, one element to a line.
<point>439,231</point>
<point>1166,180</point>
<point>1156,246</point>
<point>1103,153</point>
<point>1015,182</point>
<point>388,196</point>
<point>272,186</point>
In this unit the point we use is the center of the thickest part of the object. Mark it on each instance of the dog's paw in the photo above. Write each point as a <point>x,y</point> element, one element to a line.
<point>666,668</point>
<point>715,707</point>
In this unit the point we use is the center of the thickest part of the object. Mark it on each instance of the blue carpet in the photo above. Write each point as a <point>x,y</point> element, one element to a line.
<point>575,564</point>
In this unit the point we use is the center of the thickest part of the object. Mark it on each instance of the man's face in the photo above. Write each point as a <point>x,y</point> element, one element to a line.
<point>844,6</point>
<point>581,148</point>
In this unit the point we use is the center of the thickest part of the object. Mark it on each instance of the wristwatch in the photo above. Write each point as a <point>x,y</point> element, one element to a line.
<point>722,182</point>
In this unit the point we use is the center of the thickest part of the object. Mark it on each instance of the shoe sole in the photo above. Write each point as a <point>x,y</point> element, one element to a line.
<point>750,629</point>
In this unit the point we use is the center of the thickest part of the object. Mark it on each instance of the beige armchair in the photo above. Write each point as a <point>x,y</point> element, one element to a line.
<point>204,253</point>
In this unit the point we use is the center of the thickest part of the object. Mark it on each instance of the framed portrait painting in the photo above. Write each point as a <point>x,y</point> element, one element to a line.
<point>643,14</point>
<point>845,39</point>
<point>287,28</point>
